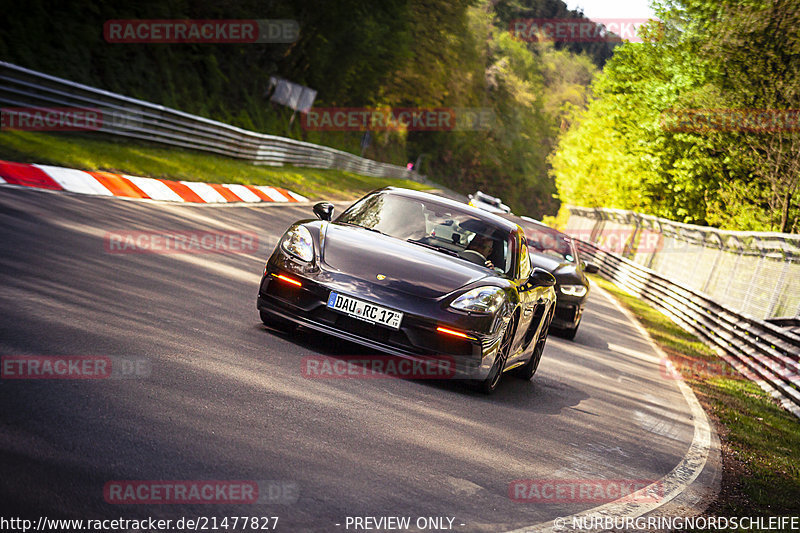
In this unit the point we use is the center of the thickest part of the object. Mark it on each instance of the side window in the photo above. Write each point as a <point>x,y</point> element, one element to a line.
<point>524,260</point>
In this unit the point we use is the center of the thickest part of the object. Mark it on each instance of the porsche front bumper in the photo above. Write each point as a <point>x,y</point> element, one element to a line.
<point>417,337</point>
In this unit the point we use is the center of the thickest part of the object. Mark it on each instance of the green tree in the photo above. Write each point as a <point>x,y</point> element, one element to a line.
<point>630,149</point>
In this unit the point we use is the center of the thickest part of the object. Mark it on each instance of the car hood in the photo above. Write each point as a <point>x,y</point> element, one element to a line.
<point>407,267</point>
<point>564,271</point>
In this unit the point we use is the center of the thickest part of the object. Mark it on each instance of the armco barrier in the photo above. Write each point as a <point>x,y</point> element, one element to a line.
<point>752,273</point>
<point>762,351</point>
<point>137,119</point>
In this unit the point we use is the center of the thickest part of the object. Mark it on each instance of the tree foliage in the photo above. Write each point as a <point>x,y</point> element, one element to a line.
<point>355,53</point>
<point>719,58</point>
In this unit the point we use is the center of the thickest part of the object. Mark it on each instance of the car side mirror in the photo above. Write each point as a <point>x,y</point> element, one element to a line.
<point>541,278</point>
<point>324,210</point>
<point>590,268</point>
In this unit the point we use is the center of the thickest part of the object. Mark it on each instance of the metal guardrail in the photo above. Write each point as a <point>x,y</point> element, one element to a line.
<point>754,273</point>
<point>137,119</point>
<point>760,350</point>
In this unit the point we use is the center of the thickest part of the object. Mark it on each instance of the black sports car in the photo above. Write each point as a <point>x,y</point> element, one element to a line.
<point>557,253</point>
<point>414,275</point>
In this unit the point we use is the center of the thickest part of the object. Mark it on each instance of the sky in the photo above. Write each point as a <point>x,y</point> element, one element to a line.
<point>605,9</point>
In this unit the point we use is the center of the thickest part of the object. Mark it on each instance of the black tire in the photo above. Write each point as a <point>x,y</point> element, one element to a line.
<point>277,323</point>
<point>527,370</point>
<point>489,385</point>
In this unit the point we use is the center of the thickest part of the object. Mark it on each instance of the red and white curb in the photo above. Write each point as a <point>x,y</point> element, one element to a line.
<point>109,184</point>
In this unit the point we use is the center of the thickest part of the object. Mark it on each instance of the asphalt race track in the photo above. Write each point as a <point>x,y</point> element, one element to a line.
<point>224,398</point>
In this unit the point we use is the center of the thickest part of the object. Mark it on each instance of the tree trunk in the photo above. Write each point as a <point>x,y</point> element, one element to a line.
<point>787,198</point>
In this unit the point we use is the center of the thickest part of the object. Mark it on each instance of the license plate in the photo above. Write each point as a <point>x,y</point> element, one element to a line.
<point>374,314</point>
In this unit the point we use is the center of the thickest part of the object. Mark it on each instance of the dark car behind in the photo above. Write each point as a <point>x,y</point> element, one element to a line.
<point>557,253</point>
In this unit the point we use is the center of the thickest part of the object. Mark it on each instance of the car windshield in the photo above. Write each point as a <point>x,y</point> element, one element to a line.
<point>440,227</point>
<point>550,244</point>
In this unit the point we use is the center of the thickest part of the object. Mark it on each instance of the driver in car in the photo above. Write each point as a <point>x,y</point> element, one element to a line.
<point>484,246</point>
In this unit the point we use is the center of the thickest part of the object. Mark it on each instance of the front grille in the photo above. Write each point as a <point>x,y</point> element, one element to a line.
<point>566,313</point>
<point>363,329</point>
<point>413,335</point>
<point>409,337</point>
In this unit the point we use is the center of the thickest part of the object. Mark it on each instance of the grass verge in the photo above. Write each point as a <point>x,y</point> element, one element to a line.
<point>760,440</point>
<point>143,159</point>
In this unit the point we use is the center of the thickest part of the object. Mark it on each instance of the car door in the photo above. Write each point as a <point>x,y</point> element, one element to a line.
<point>529,297</point>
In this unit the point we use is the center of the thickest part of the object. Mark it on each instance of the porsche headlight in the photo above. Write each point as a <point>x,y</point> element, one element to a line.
<point>298,242</point>
<point>573,290</point>
<point>480,300</point>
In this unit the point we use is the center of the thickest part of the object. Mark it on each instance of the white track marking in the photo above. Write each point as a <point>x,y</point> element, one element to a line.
<point>298,197</point>
<point>75,180</point>
<point>272,193</point>
<point>242,192</point>
<point>206,192</point>
<point>155,189</point>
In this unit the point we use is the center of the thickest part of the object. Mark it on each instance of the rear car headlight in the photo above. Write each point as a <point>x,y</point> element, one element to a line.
<point>573,290</point>
<point>480,300</point>
<point>298,242</point>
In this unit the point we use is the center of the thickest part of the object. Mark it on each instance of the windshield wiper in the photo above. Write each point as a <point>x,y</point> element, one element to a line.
<point>433,247</point>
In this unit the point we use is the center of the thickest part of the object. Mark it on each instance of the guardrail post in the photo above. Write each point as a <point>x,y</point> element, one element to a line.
<point>748,295</point>
<point>697,258</point>
<point>719,251</point>
<point>776,292</point>
<point>733,270</point>
<point>656,225</point>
